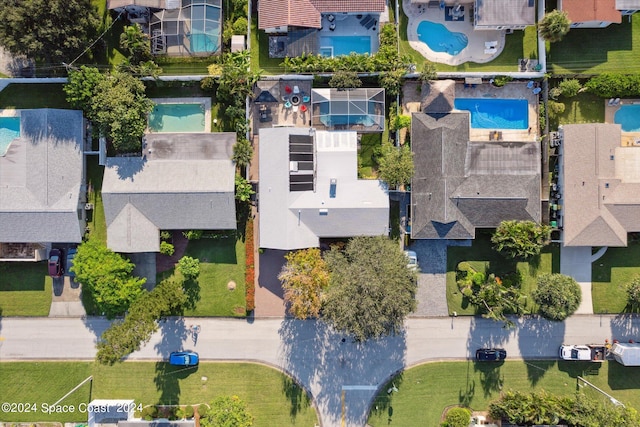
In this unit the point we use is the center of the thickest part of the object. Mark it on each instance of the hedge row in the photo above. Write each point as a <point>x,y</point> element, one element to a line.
<point>250,267</point>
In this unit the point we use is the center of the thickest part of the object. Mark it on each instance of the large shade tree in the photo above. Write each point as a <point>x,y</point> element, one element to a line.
<point>557,295</point>
<point>52,31</point>
<point>304,278</point>
<point>395,165</point>
<point>371,289</point>
<point>554,26</point>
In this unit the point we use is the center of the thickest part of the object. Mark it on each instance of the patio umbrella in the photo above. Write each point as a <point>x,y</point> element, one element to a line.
<point>266,96</point>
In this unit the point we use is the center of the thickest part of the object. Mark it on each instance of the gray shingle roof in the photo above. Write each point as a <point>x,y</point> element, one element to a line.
<point>40,179</point>
<point>296,220</point>
<point>461,185</point>
<point>185,181</point>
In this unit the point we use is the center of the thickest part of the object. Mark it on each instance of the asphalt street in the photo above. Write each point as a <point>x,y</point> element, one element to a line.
<point>317,357</point>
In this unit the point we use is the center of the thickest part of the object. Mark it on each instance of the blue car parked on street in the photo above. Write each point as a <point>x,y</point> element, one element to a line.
<point>184,358</point>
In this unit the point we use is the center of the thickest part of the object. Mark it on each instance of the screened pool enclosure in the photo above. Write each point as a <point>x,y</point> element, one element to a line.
<point>355,109</point>
<point>192,29</point>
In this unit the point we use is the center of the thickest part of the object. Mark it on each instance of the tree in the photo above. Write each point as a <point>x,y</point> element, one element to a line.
<point>391,81</point>
<point>124,337</point>
<point>82,86</point>
<point>136,44</point>
<point>371,289</point>
<point>106,278</point>
<point>554,26</point>
<point>52,31</point>
<point>240,26</point>
<point>345,80</point>
<point>633,294</point>
<point>555,108</point>
<point>557,295</point>
<point>570,87</point>
<point>428,72</point>
<point>242,152</point>
<point>304,278</point>
<point>119,109</point>
<point>520,239</point>
<point>244,190</point>
<point>395,165</point>
<point>189,267</point>
<point>227,411</point>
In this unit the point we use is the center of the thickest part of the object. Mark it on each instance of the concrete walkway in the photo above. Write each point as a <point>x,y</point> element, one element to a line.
<point>576,262</point>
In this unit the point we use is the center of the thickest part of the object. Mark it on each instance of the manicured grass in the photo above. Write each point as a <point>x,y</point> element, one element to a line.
<point>520,44</point>
<point>271,396</point>
<point>190,67</point>
<point>96,222</point>
<point>582,108</point>
<point>424,391</point>
<point>482,257</point>
<point>40,95</point>
<point>610,276</point>
<point>25,289</point>
<point>260,51</point>
<point>615,48</point>
<point>366,160</point>
<point>221,260</point>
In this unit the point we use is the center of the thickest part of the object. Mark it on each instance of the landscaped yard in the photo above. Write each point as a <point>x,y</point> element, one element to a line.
<point>610,276</point>
<point>25,289</point>
<point>582,108</point>
<point>615,48</point>
<point>270,395</point>
<point>520,44</point>
<point>481,257</point>
<point>425,391</point>
<point>41,95</point>
<point>260,51</point>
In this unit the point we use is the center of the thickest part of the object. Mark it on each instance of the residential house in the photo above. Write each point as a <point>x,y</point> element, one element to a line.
<point>601,186</point>
<point>42,196</point>
<point>360,109</point>
<point>591,13</point>
<point>628,7</point>
<point>309,189</point>
<point>504,15</point>
<point>460,185</point>
<point>310,26</point>
<point>176,27</point>
<point>182,182</point>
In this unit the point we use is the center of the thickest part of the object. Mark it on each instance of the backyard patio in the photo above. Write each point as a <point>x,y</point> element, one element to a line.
<point>281,103</point>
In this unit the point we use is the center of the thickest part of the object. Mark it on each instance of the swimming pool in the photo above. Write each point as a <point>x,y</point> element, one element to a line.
<point>344,45</point>
<point>9,130</point>
<point>440,39</point>
<point>628,116</point>
<point>496,113</point>
<point>177,118</point>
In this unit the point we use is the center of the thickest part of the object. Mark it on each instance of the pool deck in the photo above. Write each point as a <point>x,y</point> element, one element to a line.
<point>206,102</point>
<point>277,114</point>
<point>475,50</point>
<point>349,25</point>
<point>629,139</point>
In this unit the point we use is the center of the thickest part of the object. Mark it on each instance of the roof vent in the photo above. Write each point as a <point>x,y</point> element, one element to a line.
<point>611,157</point>
<point>606,185</point>
<point>333,184</point>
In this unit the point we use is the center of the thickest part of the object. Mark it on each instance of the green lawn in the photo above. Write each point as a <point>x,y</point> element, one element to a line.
<point>271,396</point>
<point>260,51</point>
<point>520,44</point>
<point>611,274</point>
<point>96,221</point>
<point>582,108</point>
<point>615,48</point>
<point>221,260</point>
<point>424,391</point>
<point>25,289</point>
<point>40,95</point>
<point>482,257</point>
<point>366,160</point>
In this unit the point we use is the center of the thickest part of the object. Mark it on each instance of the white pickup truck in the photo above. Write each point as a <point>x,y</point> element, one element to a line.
<point>592,352</point>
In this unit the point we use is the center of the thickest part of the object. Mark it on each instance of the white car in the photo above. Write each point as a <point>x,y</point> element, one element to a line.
<point>575,352</point>
<point>413,260</point>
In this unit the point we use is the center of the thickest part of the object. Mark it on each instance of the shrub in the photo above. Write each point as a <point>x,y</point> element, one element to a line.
<point>633,294</point>
<point>343,79</point>
<point>149,413</point>
<point>250,268</point>
<point>188,411</point>
<point>166,248</point>
<point>555,108</point>
<point>165,235</point>
<point>202,410</point>
<point>609,85</point>
<point>542,117</point>
<point>555,92</point>
<point>500,81</point>
<point>464,266</point>
<point>570,87</point>
<point>240,26</point>
<point>520,239</point>
<point>400,122</point>
<point>557,295</point>
<point>189,267</point>
<point>192,234</point>
<point>209,84</point>
<point>457,417</point>
<point>242,152</point>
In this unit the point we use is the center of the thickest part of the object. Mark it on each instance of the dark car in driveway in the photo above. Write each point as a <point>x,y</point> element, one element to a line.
<point>56,262</point>
<point>184,358</point>
<point>491,354</point>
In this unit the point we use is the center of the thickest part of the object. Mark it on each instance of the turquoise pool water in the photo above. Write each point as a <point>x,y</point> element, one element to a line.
<point>9,130</point>
<point>344,45</point>
<point>440,39</point>
<point>203,43</point>
<point>628,116</point>
<point>496,113</point>
<point>177,118</point>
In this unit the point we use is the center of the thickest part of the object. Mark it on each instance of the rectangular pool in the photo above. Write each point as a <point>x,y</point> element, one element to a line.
<point>167,117</point>
<point>9,130</point>
<point>628,116</point>
<point>344,45</point>
<point>496,113</point>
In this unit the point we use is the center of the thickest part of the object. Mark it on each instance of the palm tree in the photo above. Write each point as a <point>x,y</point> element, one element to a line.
<point>554,26</point>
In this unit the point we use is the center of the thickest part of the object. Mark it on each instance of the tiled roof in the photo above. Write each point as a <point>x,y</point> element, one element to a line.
<point>592,10</point>
<point>295,13</point>
<point>349,5</point>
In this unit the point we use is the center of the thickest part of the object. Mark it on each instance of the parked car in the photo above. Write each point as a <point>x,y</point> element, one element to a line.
<point>413,260</point>
<point>491,354</point>
<point>576,352</point>
<point>71,254</point>
<point>184,358</point>
<point>56,262</point>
